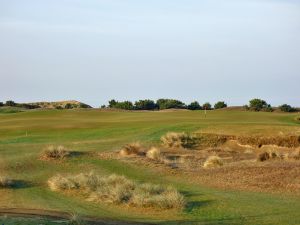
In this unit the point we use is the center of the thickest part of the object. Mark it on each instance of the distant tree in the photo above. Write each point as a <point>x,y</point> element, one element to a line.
<point>103,106</point>
<point>170,104</point>
<point>124,105</point>
<point>1,104</point>
<point>112,103</point>
<point>206,106</point>
<point>259,105</point>
<point>194,106</point>
<point>10,103</point>
<point>145,105</point>
<point>220,105</point>
<point>58,107</point>
<point>287,108</point>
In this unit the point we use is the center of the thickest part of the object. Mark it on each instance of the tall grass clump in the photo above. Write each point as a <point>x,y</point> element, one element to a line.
<point>132,149</point>
<point>6,182</point>
<point>213,161</point>
<point>178,140</point>
<point>154,153</point>
<point>119,190</point>
<point>55,152</point>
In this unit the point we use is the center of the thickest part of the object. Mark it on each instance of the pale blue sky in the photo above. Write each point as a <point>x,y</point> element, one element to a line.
<point>96,50</point>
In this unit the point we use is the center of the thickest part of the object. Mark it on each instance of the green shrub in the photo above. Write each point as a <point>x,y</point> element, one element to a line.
<point>194,106</point>
<point>259,105</point>
<point>220,105</point>
<point>145,105</point>
<point>206,106</point>
<point>170,104</point>
<point>1,104</point>
<point>10,103</point>
<point>287,108</point>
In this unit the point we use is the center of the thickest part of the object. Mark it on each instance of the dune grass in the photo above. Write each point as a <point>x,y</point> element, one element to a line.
<point>23,135</point>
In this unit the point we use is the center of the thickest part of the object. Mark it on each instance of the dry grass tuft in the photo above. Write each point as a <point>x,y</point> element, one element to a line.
<point>55,153</point>
<point>271,154</point>
<point>154,153</point>
<point>213,161</point>
<point>6,182</point>
<point>119,190</point>
<point>294,154</point>
<point>132,149</point>
<point>178,140</point>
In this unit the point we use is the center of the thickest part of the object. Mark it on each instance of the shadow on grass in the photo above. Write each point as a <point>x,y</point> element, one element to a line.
<point>20,184</point>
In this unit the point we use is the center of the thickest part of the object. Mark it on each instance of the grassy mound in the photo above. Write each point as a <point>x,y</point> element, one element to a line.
<point>212,162</point>
<point>55,153</point>
<point>119,190</point>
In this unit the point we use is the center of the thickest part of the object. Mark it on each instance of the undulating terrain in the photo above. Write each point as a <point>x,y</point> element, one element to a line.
<point>243,190</point>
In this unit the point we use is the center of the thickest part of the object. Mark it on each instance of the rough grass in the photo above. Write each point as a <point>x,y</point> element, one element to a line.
<point>132,149</point>
<point>6,182</point>
<point>119,190</point>
<point>55,153</point>
<point>178,140</point>
<point>154,153</point>
<point>212,162</point>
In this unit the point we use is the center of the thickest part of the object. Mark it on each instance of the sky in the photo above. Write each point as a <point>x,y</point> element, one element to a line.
<point>97,50</point>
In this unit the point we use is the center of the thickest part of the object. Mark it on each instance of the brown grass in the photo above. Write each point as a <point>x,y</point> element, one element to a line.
<point>55,153</point>
<point>6,182</point>
<point>178,140</point>
<point>132,149</point>
<point>212,162</point>
<point>154,153</point>
<point>119,190</point>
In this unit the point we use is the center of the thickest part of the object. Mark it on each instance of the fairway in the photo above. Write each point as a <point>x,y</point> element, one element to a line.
<point>23,136</point>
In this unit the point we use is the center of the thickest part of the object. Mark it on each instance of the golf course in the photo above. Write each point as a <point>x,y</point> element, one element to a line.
<point>94,132</point>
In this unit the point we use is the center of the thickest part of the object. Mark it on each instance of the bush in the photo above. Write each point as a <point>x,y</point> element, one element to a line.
<point>194,106</point>
<point>170,104</point>
<point>178,140</point>
<point>287,108</point>
<point>119,190</point>
<point>213,161</point>
<point>220,105</point>
<point>206,106</point>
<point>55,152</point>
<point>154,153</point>
<point>10,103</point>
<point>5,182</point>
<point>132,149</point>
<point>145,105</point>
<point>1,104</point>
<point>127,105</point>
<point>259,105</point>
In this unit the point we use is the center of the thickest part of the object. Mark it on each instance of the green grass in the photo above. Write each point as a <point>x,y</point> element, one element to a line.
<point>24,135</point>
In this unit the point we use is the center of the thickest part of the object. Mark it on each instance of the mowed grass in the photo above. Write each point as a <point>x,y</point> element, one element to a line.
<point>24,135</point>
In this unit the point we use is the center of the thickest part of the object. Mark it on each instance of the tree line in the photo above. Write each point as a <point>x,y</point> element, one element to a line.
<point>163,103</point>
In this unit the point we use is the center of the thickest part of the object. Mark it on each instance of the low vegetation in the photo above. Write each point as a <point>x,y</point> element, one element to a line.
<point>178,140</point>
<point>213,161</point>
<point>132,149</point>
<point>154,153</point>
<point>55,153</point>
<point>119,190</point>
<point>6,182</point>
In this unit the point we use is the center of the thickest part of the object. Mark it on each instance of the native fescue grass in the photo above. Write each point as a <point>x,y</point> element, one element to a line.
<point>213,161</point>
<point>154,153</point>
<point>132,149</point>
<point>55,153</point>
<point>119,190</point>
<point>6,182</point>
<point>178,140</point>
